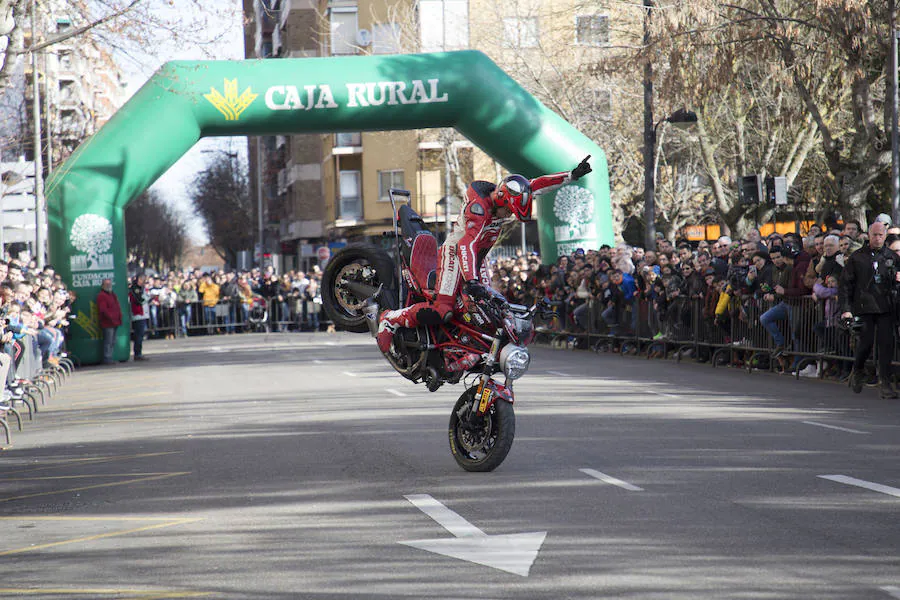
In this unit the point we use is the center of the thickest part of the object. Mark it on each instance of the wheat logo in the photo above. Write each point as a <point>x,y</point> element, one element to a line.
<point>574,206</point>
<point>90,323</point>
<point>231,105</point>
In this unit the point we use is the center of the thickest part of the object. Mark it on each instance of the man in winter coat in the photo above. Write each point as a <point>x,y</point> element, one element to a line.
<point>110,316</point>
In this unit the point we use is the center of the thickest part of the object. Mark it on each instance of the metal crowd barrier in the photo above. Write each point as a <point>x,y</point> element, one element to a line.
<point>689,326</point>
<point>261,315</point>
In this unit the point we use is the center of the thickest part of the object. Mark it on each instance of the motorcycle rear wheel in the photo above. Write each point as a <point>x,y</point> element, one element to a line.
<point>342,305</point>
<point>483,450</point>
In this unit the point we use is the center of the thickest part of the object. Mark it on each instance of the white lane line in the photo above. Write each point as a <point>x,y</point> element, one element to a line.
<point>611,480</point>
<point>396,393</point>
<point>558,373</point>
<point>663,394</point>
<point>348,373</point>
<point>891,590</point>
<point>875,487</point>
<point>836,427</point>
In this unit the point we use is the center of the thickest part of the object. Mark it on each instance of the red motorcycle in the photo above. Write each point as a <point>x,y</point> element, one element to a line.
<point>485,337</point>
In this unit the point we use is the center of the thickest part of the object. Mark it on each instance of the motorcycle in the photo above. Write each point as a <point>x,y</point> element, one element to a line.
<point>486,335</point>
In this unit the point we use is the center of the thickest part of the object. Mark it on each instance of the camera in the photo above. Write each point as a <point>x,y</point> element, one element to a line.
<point>737,276</point>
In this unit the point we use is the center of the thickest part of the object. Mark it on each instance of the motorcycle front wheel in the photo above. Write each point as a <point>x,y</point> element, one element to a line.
<point>481,446</point>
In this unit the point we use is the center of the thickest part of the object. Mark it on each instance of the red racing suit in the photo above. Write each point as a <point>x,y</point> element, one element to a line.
<point>461,256</point>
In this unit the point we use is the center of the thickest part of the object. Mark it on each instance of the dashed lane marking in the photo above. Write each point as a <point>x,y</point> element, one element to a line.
<point>611,480</point>
<point>663,394</point>
<point>558,373</point>
<point>875,487</point>
<point>835,427</point>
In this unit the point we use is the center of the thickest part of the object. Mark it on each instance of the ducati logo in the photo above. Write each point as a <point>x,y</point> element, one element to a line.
<point>231,105</point>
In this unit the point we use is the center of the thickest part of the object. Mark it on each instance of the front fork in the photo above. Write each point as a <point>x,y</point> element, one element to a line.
<point>488,390</point>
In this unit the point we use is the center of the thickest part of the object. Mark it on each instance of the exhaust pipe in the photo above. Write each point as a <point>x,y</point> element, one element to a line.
<point>372,316</point>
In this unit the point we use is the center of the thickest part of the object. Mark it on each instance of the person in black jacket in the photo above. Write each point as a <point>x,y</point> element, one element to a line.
<point>866,291</point>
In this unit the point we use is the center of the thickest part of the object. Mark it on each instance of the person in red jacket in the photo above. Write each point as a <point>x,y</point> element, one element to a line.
<point>110,316</point>
<point>487,209</point>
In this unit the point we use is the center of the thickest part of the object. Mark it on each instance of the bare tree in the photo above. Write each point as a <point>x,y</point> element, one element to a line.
<point>154,232</point>
<point>221,197</point>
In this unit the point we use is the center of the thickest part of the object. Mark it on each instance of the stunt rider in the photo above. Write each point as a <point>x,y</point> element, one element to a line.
<point>487,209</point>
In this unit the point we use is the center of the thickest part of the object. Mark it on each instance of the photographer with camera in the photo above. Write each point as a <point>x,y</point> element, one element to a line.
<point>867,289</point>
<point>783,261</point>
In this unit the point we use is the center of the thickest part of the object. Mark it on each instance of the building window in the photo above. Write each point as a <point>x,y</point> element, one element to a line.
<point>343,30</point>
<point>443,25</point>
<point>344,140</point>
<point>603,104</point>
<point>388,180</point>
<point>385,38</point>
<point>65,60</point>
<point>351,196</point>
<point>520,32</point>
<point>592,30</point>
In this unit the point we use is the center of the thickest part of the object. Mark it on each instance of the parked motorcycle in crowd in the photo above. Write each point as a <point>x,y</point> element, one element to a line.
<point>484,338</point>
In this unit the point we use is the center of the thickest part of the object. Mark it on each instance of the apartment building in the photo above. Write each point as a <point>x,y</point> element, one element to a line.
<point>80,86</point>
<point>326,190</point>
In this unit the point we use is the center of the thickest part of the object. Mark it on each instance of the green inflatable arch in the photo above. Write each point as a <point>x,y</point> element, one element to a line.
<point>184,101</point>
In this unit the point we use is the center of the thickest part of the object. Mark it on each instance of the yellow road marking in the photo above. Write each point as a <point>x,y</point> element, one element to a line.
<point>93,460</point>
<point>99,536</point>
<point>134,420</point>
<point>93,476</point>
<point>103,410</point>
<point>25,518</point>
<point>91,487</point>
<point>143,395</point>
<point>145,594</point>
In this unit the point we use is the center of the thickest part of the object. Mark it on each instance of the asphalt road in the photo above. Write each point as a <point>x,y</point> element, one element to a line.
<point>297,465</point>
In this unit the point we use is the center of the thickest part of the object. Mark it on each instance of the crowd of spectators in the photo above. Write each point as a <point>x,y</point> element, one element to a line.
<point>34,320</point>
<point>676,291</point>
<point>194,301</point>
<point>680,291</point>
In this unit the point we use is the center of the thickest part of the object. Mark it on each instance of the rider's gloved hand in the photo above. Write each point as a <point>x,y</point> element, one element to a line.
<point>582,169</point>
<point>475,289</point>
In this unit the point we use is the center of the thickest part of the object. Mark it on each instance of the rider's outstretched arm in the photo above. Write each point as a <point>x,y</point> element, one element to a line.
<point>548,183</point>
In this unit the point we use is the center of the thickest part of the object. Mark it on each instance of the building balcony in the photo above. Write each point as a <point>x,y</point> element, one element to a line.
<point>347,143</point>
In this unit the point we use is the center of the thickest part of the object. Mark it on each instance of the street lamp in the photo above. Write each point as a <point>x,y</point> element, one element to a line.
<point>682,119</point>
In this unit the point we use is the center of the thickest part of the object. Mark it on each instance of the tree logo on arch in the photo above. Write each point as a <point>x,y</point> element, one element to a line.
<point>92,235</point>
<point>231,105</point>
<point>574,206</point>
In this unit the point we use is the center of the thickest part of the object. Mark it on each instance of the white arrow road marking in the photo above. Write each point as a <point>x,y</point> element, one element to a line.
<point>611,480</point>
<point>891,590</point>
<point>513,553</point>
<point>875,487</point>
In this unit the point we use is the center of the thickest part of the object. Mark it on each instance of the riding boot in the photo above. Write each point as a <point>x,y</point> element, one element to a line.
<point>392,319</point>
